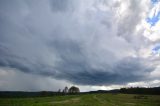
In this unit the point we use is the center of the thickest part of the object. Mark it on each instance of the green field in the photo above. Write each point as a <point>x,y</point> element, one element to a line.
<point>85,100</point>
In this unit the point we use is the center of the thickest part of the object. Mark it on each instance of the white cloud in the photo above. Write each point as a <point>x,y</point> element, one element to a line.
<point>154,83</point>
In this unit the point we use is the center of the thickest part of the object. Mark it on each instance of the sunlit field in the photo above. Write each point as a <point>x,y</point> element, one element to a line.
<point>85,100</point>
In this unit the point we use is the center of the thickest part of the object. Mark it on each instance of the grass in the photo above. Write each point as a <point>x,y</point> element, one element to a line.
<point>85,100</point>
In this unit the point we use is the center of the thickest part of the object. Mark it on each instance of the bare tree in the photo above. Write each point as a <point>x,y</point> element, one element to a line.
<point>66,89</point>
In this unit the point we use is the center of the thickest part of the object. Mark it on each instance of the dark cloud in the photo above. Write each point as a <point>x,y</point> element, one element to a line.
<point>73,66</point>
<point>74,45</point>
<point>122,72</point>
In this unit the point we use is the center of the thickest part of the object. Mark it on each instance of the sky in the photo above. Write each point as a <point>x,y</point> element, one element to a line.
<point>92,44</point>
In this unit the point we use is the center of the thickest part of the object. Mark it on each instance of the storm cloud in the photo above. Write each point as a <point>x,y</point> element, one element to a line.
<point>93,42</point>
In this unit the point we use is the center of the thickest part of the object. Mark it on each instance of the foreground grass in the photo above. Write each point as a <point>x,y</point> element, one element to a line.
<point>85,100</point>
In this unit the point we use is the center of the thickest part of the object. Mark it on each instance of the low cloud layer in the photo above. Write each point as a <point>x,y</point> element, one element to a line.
<point>93,42</point>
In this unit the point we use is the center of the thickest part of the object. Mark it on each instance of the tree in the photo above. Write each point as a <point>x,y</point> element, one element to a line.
<point>66,89</point>
<point>59,91</point>
<point>74,89</point>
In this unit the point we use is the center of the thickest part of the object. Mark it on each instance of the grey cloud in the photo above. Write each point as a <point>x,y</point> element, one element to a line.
<point>124,71</point>
<point>75,46</point>
<point>12,80</point>
<point>60,5</point>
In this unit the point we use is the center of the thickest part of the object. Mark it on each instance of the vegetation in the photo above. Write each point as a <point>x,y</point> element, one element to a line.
<point>137,90</point>
<point>71,90</point>
<point>73,97</point>
<point>102,99</point>
<point>74,89</point>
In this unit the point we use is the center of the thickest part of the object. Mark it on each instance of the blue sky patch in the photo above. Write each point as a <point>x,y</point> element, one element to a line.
<point>154,19</point>
<point>155,1</point>
<point>156,49</point>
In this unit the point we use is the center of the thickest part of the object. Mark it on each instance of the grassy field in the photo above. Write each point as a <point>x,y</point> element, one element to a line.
<point>85,100</point>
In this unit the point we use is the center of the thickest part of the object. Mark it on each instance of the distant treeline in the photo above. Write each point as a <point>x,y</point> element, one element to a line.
<point>132,90</point>
<point>24,94</point>
<point>19,94</point>
<point>137,90</point>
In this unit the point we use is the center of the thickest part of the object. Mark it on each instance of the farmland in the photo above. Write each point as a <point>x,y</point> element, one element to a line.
<point>101,99</point>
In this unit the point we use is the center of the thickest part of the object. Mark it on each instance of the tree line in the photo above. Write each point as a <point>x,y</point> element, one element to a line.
<point>25,94</point>
<point>70,90</point>
<point>75,90</point>
<point>141,90</point>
